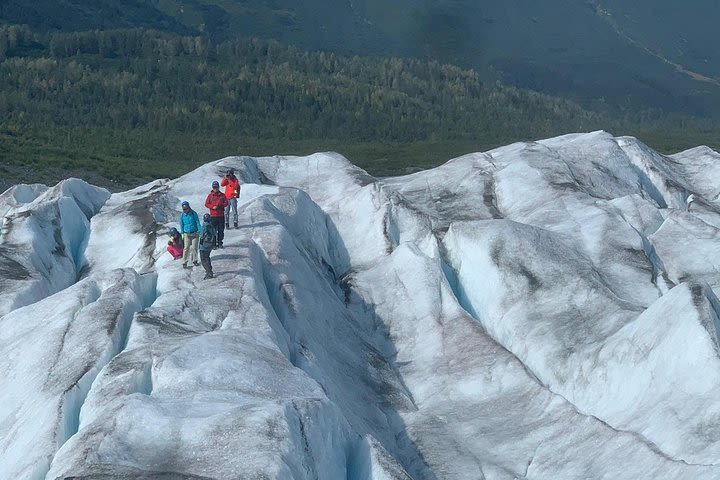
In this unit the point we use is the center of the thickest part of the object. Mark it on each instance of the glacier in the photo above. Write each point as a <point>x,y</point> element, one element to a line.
<point>543,310</point>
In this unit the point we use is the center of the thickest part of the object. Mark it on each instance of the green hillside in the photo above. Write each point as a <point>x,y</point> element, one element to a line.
<point>123,92</point>
<point>632,55</point>
<point>128,103</point>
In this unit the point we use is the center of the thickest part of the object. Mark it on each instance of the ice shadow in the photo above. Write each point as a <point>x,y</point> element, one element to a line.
<point>255,225</point>
<point>389,394</point>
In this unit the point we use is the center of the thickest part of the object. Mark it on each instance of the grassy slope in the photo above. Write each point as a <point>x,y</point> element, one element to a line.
<point>120,159</point>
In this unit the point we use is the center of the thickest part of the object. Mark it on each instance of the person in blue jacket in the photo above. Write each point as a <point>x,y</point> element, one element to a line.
<point>208,238</point>
<point>190,229</point>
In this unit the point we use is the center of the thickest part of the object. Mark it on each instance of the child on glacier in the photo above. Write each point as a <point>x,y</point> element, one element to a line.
<point>175,244</point>
<point>208,238</point>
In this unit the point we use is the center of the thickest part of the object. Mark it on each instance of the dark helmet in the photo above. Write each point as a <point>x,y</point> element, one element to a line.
<point>206,217</point>
<point>173,232</point>
<point>215,184</point>
<point>185,203</point>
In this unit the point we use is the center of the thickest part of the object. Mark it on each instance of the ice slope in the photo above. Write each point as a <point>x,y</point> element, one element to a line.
<point>52,352</point>
<point>44,234</point>
<point>544,310</point>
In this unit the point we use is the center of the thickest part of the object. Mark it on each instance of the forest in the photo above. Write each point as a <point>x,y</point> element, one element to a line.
<point>120,107</point>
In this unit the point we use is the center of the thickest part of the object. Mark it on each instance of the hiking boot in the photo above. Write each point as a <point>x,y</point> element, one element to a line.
<point>208,276</point>
<point>227,225</point>
<point>185,265</point>
<point>196,263</point>
<point>235,225</point>
<point>220,245</point>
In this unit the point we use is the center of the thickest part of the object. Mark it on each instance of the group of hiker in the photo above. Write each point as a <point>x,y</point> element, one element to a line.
<point>195,238</point>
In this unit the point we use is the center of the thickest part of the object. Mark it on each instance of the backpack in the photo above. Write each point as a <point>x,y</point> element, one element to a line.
<point>209,235</point>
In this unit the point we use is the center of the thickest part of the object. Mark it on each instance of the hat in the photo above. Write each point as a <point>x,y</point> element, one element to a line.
<point>185,203</point>
<point>215,184</point>
<point>231,172</point>
<point>173,231</point>
<point>206,217</point>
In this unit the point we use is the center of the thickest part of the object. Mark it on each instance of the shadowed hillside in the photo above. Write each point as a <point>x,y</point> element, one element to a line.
<point>639,55</point>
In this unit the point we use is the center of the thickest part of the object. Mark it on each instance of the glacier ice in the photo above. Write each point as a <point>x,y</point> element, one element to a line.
<point>543,310</point>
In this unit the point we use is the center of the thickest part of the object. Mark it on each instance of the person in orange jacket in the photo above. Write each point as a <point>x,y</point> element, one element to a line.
<point>217,202</point>
<point>232,192</point>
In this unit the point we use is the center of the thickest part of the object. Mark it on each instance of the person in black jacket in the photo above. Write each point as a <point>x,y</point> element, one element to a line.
<point>208,238</point>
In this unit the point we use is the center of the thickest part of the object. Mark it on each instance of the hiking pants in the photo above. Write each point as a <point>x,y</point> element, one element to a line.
<point>219,224</point>
<point>190,252</point>
<point>205,260</point>
<point>232,205</point>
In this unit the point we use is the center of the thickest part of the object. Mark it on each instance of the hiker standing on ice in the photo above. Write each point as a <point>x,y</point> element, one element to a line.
<point>207,243</point>
<point>216,201</point>
<point>232,192</point>
<point>189,228</point>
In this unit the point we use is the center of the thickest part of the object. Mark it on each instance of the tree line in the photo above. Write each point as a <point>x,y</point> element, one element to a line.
<point>145,79</point>
<point>168,86</point>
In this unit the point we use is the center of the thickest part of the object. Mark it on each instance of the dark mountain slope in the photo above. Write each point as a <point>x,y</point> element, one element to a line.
<point>78,15</point>
<point>644,54</point>
<point>681,32</point>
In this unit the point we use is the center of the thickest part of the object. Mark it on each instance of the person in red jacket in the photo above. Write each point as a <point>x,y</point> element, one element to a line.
<point>216,201</point>
<point>232,192</point>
